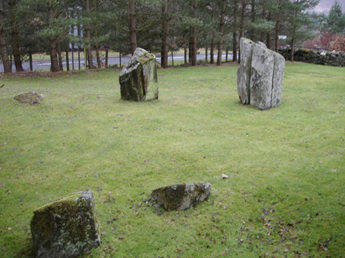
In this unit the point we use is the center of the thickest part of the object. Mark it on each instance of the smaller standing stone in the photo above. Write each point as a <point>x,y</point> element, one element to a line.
<point>67,227</point>
<point>29,97</point>
<point>181,196</point>
<point>138,79</point>
<point>260,75</point>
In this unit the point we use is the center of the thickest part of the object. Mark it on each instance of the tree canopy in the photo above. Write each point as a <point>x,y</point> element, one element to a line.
<point>160,26</point>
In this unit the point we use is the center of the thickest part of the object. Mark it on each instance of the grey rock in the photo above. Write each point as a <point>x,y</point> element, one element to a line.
<point>29,97</point>
<point>181,196</point>
<point>278,76</point>
<point>244,70</point>
<point>260,75</point>
<point>67,227</point>
<point>138,79</point>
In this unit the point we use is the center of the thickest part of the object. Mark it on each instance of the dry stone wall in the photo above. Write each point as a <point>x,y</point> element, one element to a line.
<point>315,57</point>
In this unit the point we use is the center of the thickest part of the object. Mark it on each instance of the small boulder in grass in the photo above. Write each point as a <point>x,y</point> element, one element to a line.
<point>29,97</point>
<point>67,227</point>
<point>181,196</point>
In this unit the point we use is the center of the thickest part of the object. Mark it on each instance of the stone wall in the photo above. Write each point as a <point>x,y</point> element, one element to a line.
<point>315,57</point>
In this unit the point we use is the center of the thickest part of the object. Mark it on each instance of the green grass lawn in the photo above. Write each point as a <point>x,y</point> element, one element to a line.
<point>284,196</point>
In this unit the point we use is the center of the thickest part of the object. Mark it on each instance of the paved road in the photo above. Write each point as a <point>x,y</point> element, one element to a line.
<point>45,64</point>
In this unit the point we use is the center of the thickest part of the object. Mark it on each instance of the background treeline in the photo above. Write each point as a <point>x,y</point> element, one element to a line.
<point>161,26</point>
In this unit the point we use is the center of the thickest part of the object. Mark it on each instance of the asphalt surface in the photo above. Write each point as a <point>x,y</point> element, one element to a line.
<point>45,64</point>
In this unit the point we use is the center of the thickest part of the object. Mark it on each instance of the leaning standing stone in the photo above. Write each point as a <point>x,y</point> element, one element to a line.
<point>67,227</point>
<point>181,196</point>
<point>138,79</point>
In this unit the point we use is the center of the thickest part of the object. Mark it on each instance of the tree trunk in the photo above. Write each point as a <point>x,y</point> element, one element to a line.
<point>263,16</point>
<point>99,62</point>
<point>221,32</point>
<point>67,60</point>
<point>88,37</point>
<point>268,35</point>
<point>234,35</point>
<point>165,33</point>
<point>212,50</point>
<point>3,45</point>
<point>59,53</point>
<point>132,27</point>
<point>244,5</point>
<point>106,58</point>
<point>252,33</point>
<point>185,54</point>
<point>193,34</point>
<point>212,36</point>
<point>16,52</point>
<point>14,38</point>
<point>206,54</point>
<point>54,66</point>
<point>276,38</point>
<point>30,60</point>
<point>293,43</point>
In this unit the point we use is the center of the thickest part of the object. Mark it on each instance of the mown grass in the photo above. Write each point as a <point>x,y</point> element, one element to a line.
<point>284,196</point>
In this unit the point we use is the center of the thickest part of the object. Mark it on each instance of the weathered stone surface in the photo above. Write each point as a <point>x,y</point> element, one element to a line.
<point>278,76</point>
<point>67,227</point>
<point>244,70</point>
<point>181,196</point>
<point>29,97</point>
<point>138,79</point>
<point>260,75</point>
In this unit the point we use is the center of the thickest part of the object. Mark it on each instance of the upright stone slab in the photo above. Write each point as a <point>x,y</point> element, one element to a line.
<point>260,75</point>
<point>66,228</point>
<point>278,76</point>
<point>138,79</point>
<point>181,196</point>
<point>244,70</point>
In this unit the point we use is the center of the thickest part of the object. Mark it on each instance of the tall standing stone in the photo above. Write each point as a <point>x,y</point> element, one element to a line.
<point>138,79</point>
<point>260,75</point>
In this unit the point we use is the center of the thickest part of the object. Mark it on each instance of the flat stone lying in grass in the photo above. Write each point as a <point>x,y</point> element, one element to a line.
<point>181,196</point>
<point>29,97</point>
<point>138,79</point>
<point>260,75</point>
<point>67,227</point>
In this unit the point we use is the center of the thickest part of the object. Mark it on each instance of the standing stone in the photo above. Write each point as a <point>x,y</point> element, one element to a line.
<point>181,196</point>
<point>260,75</point>
<point>278,76</point>
<point>67,227</point>
<point>244,71</point>
<point>138,79</point>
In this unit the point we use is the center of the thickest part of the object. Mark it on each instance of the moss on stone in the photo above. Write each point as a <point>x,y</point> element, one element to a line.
<point>68,225</point>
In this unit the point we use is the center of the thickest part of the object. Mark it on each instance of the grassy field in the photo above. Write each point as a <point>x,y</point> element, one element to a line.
<point>284,196</point>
